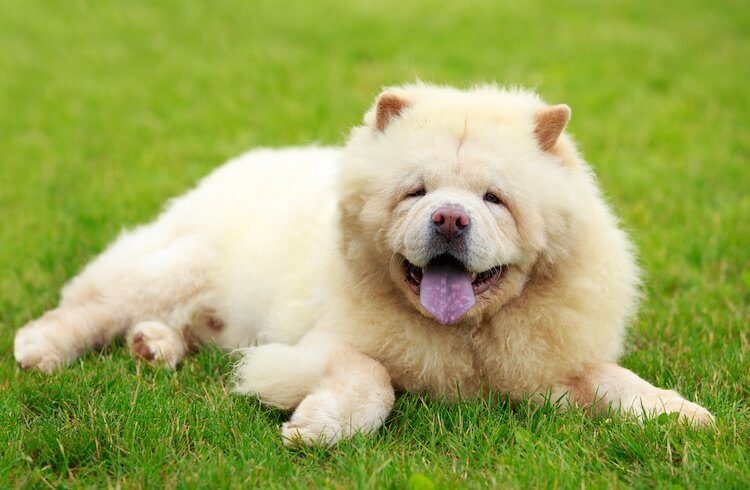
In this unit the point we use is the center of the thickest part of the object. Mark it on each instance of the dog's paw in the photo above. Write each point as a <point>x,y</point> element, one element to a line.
<point>33,348</point>
<point>157,343</point>
<point>316,422</point>
<point>689,412</point>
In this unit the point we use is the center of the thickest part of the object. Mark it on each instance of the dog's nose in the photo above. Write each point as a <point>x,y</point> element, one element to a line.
<point>450,221</point>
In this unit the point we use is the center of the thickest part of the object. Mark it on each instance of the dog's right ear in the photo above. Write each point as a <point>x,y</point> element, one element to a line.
<point>549,125</point>
<point>388,107</point>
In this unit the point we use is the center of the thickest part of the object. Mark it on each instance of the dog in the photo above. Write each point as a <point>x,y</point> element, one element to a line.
<point>457,243</point>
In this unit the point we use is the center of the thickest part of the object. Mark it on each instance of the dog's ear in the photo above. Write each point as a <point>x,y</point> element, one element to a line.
<point>549,124</point>
<point>389,106</point>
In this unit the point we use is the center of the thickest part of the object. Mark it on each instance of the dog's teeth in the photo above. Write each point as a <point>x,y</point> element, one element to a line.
<point>473,276</point>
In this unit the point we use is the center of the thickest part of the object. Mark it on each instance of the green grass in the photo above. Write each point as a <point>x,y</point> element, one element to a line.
<point>109,108</point>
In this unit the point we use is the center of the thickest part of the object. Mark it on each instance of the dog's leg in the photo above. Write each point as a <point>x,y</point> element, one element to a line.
<point>604,386</point>
<point>337,391</point>
<point>140,277</point>
<point>62,334</point>
<point>354,396</point>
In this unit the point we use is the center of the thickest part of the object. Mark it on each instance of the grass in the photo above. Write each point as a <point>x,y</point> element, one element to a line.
<point>109,108</point>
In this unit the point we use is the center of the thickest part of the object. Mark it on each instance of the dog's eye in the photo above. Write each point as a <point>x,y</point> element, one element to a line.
<point>491,197</point>
<point>417,193</point>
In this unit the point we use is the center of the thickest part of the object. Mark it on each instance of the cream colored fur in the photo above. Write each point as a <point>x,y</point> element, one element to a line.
<point>297,255</point>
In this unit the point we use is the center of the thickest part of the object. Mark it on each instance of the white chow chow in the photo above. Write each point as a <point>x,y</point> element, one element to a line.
<point>457,243</point>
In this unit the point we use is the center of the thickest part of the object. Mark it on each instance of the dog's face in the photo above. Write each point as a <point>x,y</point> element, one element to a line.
<point>456,198</point>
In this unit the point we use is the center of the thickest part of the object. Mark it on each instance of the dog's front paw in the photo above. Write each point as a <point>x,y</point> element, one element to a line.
<point>33,348</point>
<point>316,422</point>
<point>692,413</point>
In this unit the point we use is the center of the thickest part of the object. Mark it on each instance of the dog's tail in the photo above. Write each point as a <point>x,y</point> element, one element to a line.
<point>280,375</point>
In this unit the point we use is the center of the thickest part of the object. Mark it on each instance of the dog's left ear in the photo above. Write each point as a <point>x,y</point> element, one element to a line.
<point>389,106</point>
<point>550,123</point>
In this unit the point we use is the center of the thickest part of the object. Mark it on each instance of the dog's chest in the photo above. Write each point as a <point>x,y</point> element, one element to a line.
<point>440,364</point>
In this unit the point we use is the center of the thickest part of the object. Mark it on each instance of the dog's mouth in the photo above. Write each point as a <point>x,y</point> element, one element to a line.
<point>446,288</point>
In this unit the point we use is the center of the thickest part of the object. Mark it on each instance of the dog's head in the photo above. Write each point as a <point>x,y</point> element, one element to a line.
<point>459,195</point>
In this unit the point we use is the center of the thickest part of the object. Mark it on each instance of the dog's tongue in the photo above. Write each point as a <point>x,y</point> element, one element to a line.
<point>446,290</point>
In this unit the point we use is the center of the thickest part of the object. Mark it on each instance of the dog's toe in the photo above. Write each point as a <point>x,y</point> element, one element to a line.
<point>691,413</point>
<point>695,415</point>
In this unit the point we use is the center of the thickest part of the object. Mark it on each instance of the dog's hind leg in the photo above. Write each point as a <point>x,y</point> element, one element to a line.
<point>144,275</point>
<point>157,342</point>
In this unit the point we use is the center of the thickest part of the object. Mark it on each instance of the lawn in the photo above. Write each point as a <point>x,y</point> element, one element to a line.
<point>109,108</point>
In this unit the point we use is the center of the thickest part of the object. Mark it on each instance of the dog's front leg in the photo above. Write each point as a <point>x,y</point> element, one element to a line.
<point>336,391</point>
<point>353,396</point>
<point>605,385</point>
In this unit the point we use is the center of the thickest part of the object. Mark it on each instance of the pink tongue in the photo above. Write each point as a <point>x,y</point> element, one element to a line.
<point>446,291</point>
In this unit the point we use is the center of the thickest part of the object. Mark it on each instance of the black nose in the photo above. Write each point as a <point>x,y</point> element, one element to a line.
<point>450,221</point>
